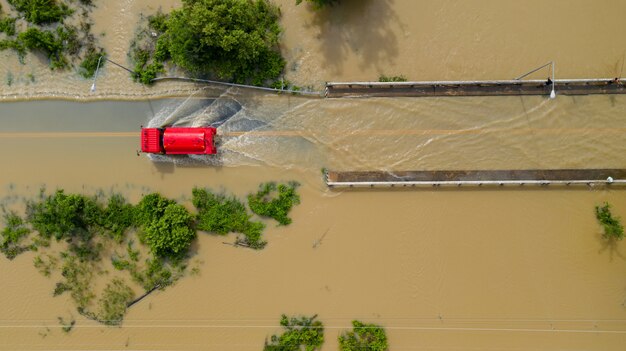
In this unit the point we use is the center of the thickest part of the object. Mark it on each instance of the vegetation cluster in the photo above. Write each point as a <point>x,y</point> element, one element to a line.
<point>90,228</point>
<point>218,213</point>
<point>307,333</point>
<point>301,333</point>
<point>613,228</point>
<point>48,31</point>
<point>385,79</point>
<point>231,40</point>
<point>275,201</point>
<point>369,337</point>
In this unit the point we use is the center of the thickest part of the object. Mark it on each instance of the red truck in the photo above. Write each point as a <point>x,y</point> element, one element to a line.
<point>179,141</point>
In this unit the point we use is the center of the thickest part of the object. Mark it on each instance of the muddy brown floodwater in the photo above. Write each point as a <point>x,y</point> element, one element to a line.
<point>443,269</point>
<point>439,269</point>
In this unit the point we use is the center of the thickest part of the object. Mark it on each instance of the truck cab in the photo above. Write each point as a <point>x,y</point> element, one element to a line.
<point>179,141</point>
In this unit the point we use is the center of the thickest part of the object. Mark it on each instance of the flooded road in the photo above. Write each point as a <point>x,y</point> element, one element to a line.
<point>439,269</point>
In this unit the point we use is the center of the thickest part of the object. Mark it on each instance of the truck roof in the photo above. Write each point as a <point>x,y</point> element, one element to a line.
<point>178,141</point>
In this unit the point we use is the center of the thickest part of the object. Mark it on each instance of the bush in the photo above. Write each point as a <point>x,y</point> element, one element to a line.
<point>63,216</point>
<point>303,332</point>
<point>47,42</point>
<point>7,25</point>
<point>14,232</point>
<point>158,22</point>
<point>368,337</point>
<point>89,65</point>
<point>118,216</point>
<point>220,214</point>
<point>265,203</point>
<point>41,11</point>
<point>385,78</point>
<point>613,228</point>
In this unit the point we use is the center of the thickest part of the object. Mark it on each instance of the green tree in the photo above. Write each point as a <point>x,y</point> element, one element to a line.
<point>231,39</point>
<point>150,208</point>
<point>171,234</point>
<point>370,337</point>
<point>304,333</point>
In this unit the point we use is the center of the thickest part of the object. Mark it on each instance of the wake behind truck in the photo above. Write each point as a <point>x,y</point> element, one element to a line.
<point>179,141</point>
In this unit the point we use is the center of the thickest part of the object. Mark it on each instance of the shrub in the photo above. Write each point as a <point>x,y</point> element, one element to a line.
<point>7,25</point>
<point>303,332</point>
<point>158,22</point>
<point>275,201</point>
<point>384,78</point>
<point>613,228</point>
<point>220,214</point>
<point>118,216</point>
<point>45,41</point>
<point>41,11</point>
<point>63,216</point>
<point>89,65</point>
<point>14,232</point>
<point>369,337</point>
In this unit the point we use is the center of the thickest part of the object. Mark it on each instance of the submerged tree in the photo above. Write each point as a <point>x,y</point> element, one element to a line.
<point>613,228</point>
